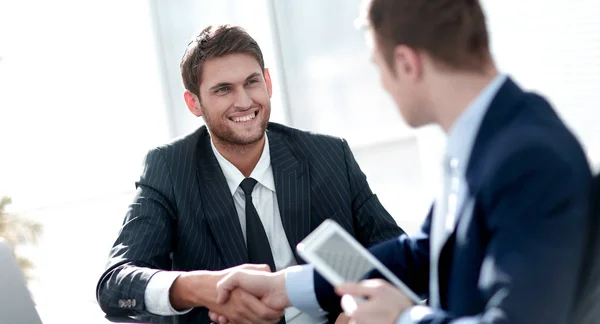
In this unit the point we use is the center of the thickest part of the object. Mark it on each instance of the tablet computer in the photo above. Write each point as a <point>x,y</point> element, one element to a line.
<point>340,258</point>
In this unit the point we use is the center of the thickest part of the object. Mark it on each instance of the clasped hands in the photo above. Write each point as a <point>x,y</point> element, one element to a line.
<point>264,296</point>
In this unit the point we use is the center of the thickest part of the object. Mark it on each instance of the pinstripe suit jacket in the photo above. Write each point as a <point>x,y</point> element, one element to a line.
<point>183,217</point>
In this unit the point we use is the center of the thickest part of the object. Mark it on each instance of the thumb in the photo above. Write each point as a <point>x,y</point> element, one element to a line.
<point>353,289</point>
<point>225,286</point>
<point>349,305</point>
<point>256,267</point>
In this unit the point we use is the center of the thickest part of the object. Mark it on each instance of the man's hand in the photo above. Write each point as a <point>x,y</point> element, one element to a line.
<point>244,308</point>
<point>199,288</point>
<point>268,287</point>
<point>342,319</point>
<point>384,302</point>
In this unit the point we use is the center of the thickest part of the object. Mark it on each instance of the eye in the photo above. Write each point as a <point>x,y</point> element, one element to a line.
<point>252,81</point>
<point>222,90</point>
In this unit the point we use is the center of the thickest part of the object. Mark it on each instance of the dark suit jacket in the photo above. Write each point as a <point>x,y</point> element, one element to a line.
<point>586,305</point>
<point>516,257</point>
<point>183,217</point>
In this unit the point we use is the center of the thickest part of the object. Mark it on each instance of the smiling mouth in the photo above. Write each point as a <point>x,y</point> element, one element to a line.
<point>243,119</point>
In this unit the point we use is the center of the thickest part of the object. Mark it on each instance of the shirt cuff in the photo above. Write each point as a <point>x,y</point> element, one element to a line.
<point>156,295</point>
<point>413,314</point>
<point>301,290</point>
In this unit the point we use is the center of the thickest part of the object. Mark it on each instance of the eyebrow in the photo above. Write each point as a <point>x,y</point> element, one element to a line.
<point>224,84</point>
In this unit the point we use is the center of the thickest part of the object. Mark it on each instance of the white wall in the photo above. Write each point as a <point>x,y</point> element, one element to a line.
<point>80,98</point>
<point>553,47</point>
<point>80,104</point>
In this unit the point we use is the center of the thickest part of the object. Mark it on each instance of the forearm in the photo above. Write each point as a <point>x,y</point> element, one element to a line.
<point>407,258</point>
<point>120,290</point>
<point>301,293</point>
<point>195,289</point>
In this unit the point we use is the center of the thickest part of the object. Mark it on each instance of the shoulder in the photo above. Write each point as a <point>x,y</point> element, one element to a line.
<point>535,142</point>
<point>179,148</point>
<point>537,132</point>
<point>306,140</point>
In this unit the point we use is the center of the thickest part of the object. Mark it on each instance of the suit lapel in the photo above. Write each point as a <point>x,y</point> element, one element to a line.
<point>502,109</point>
<point>219,208</point>
<point>292,184</point>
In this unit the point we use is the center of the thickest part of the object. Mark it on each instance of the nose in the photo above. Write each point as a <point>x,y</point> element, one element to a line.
<point>242,99</point>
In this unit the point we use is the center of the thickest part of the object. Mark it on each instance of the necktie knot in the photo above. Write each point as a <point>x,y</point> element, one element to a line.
<point>247,186</point>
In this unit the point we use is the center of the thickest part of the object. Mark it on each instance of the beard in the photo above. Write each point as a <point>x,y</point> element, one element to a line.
<point>225,132</point>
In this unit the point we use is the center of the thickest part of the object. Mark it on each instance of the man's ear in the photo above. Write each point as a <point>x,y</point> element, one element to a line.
<point>268,82</point>
<point>193,103</point>
<point>408,62</point>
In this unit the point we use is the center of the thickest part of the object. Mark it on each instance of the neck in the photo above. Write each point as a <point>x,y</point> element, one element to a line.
<point>243,157</point>
<point>456,91</point>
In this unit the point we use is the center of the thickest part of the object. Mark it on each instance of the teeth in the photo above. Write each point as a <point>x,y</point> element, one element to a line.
<point>244,118</point>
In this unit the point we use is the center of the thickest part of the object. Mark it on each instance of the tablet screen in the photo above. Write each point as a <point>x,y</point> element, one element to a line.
<point>347,262</point>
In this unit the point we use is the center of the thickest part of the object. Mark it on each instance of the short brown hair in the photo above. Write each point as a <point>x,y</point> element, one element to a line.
<point>225,39</point>
<point>453,32</point>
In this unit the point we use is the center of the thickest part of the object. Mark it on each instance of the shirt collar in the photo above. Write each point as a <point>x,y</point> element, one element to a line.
<point>462,134</point>
<point>262,172</point>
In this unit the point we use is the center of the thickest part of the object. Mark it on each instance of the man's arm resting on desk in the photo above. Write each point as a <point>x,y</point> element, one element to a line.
<point>143,245</point>
<point>158,294</point>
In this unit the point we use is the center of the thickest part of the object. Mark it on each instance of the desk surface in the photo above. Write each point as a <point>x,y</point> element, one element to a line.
<point>91,312</point>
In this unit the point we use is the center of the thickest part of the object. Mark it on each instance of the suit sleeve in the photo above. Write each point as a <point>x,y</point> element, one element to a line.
<point>407,257</point>
<point>372,223</point>
<point>536,209</point>
<point>144,242</point>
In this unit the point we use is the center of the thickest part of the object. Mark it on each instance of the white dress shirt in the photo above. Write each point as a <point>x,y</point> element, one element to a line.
<point>264,198</point>
<point>453,200</point>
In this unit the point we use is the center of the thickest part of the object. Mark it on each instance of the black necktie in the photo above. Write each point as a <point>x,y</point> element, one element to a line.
<point>259,251</point>
<point>257,243</point>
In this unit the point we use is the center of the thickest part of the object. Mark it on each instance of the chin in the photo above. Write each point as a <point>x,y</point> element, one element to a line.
<point>248,138</point>
<point>413,119</point>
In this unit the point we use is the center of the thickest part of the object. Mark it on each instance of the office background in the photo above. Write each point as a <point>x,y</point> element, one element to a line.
<point>87,87</point>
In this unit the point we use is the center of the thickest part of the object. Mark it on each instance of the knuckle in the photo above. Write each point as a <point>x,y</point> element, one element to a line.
<point>265,313</point>
<point>261,313</point>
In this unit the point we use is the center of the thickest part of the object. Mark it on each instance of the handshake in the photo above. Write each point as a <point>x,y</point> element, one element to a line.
<point>252,294</point>
<point>244,294</point>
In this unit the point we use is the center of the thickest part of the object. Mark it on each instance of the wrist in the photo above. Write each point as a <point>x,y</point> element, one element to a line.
<point>281,288</point>
<point>194,289</point>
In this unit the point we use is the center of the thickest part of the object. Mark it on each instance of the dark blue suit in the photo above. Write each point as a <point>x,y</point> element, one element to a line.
<point>184,218</point>
<point>516,257</point>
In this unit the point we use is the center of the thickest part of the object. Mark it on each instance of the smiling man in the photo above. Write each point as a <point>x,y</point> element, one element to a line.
<point>237,191</point>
